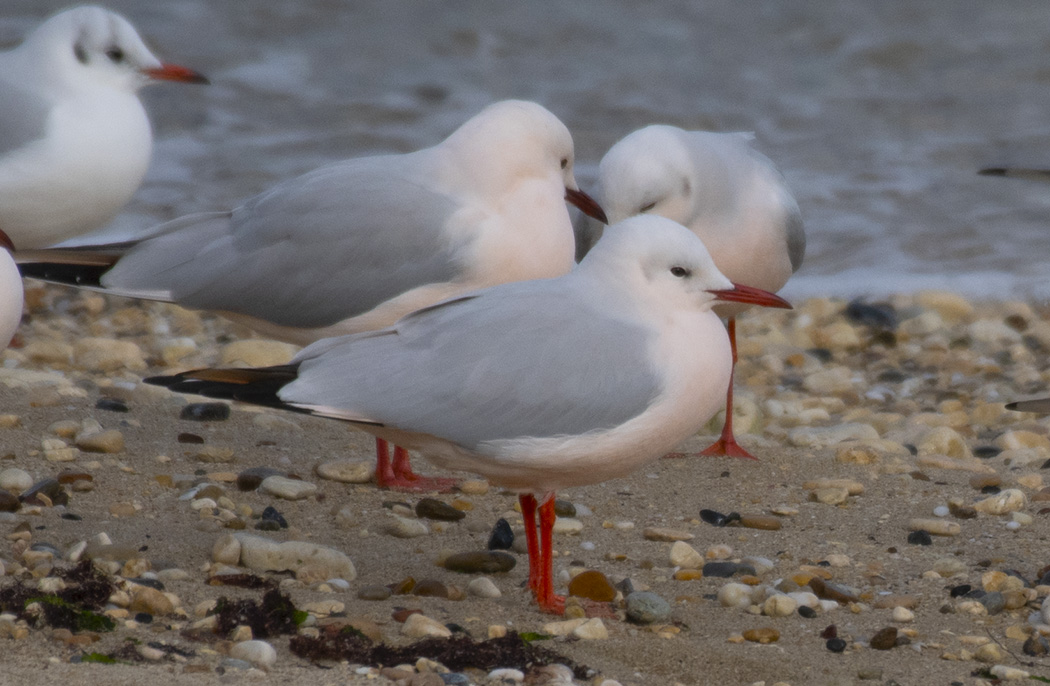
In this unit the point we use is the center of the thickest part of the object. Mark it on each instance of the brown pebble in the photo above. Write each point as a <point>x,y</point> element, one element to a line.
<point>68,476</point>
<point>404,586</point>
<point>891,601</point>
<point>430,588</point>
<point>961,511</point>
<point>403,614</point>
<point>688,575</point>
<point>9,502</point>
<point>592,585</point>
<point>884,639</point>
<point>826,591</point>
<point>762,635</point>
<point>979,481</point>
<point>765,522</point>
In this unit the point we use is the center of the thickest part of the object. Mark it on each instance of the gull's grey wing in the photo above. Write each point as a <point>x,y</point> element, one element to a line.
<point>795,235</point>
<point>23,117</point>
<point>517,361</point>
<point>310,252</point>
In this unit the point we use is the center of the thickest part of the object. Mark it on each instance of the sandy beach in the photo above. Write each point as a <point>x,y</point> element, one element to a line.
<point>864,417</point>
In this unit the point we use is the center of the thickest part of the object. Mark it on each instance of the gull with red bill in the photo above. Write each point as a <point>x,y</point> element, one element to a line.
<point>75,141</point>
<point>357,245</point>
<point>538,385</point>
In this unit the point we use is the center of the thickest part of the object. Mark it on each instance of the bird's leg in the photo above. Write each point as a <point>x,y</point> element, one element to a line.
<point>726,444</point>
<point>548,601</point>
<point>528,515</point>
<point>399,475</point>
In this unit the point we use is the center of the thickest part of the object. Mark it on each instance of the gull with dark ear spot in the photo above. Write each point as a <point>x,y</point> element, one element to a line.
<point>357,245</point>
<point>728,194</point>
<point>494,382</point>
<point>75,141</point>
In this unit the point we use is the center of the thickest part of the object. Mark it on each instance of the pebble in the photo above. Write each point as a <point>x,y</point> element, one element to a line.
<point>656,533</point>
<point>822,436</point>
<point>483,587</point>
<point>884,639</point>
<point>920,537</point>
<point>306,560</point>
<point>9,502</point>
<point>111,405</point>
<point>903,615</point>
<point>50,489</point>
<point>715,518</point>
<point>214,454</point>
<point>727,569</point>
<point>347,471</point>
<point>592,629</point>
<point>937,527</point>
<point>430,588</point>
<point>830,496</point>
<point>685,556</point>
<point>403,527</point>
<point>735,595</point>
<point>762,635</point>
<point>150,601</point>
<point>226,550</point>
<point>257,653</point>
<point>374,592</point>
<point>779,606</point>
<point>251,478</point>
<point>763,522</point>
<point>646,607</point>
<point>15,480</point>
<point>502,536</point>
<point>592,585</point>
<point>256,352</point>
<point>1010,500</point>
<point>1007,673</point>
<point>567,526</point>
<point>506,674</point>
<point>111,441</point>
<point>431,508</point>
<point>835,645</point>
<point>289,489</point>
<point>1036,645</point>
<point>420,626</point>
<point>994,602</point>
<point>480,562</point>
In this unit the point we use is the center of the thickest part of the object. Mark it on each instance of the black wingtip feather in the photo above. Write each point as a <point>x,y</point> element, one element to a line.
<point>258,386</point>
<point>992,171</point>
<point>83,275</point>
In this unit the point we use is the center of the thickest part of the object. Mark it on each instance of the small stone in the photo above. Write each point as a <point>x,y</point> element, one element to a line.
<point>734,595</point>
<point>251,478</point>
<point>483,587</point>
<point>835,645</point>
<point>884,639</point>
<point>726,569</point>
<point>474,487</point>
<point>420,626</point>
<point>903,615</point>
<point>937,527</point>
<point>15,480</point>
<point>102,442</point>
<point>920,537</point>
<point>502,536</point>
<point>214,454</point>
<point>685,556</point>
<point>994,602</point>
<point>347,471</point>
<point>205,412</point>
<point>48,488</point>
<point>1009,673</point>
<point>779,606</point>
<point>762,635</point>
<point>403,527</point>
<point>961,511</point>
<point>305,559</point>
<point>431,508</point>
<point>645,607</point>
<point>108,355</point>
<point>9,502</point>
<point>763,522</point>
<point>714,518</point>
<point>430,588</point>
<point>656,533</point>
<point>567,526</point>
<point>591,630</point>
<point>1036,645</point>
<point>374,592</point>
<point>259,654</point>
<point>256,352</point>
<point>943,440</point>
<point>830,591</point>
<point>111,405</point>
<point>981,481</point>
<point>226,550</point>
<point>151,601</point>
<point>481,562</point>
<point>592,585</point>
<point>289,489</point>
<point>1010,500</point>
<point>989,653</point>
<point>830,496</point>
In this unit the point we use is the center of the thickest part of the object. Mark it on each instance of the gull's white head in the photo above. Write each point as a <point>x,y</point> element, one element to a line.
<point>512,140</point>
<point>663,262</point>
<point>649,171</point>
<point>92,47</point>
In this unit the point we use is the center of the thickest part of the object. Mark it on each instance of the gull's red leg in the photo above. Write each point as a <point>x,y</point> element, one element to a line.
<point>399,475</point>
<point>726,444</point>
<point>528,515</point>
<point>384,472</point>
<point>548,601</point>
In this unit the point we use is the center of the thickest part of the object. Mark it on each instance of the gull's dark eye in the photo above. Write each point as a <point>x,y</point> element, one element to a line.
<point>115,55</point>
<point>564,162</point>
<point>80,53</point>
<point>680,272</point>
<point>646,208</point>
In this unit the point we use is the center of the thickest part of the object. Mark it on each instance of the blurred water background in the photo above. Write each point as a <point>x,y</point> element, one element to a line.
<point>878,113</point>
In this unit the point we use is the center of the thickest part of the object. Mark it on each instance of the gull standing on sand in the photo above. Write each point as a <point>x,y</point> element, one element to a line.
<point>728,194</point>
<point>357,245</point>
<point>75,141</point>
<point>11,295</point>
<point>536,386</point>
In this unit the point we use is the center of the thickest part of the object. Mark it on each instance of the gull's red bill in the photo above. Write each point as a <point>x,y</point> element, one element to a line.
<point>586,204</point>
<point>751,296</point>
<point>173,72</point>
<point>6,242</point>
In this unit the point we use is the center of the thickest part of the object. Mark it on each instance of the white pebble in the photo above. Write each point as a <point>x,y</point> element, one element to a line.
<point>735,595</point>
<point>507,674</point>
<point>941,511</point>
<point>1013,526</point>
<point>588,545</point>
<point>259,653</point>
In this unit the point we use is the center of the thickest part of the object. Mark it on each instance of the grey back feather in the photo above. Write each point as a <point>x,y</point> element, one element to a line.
<point>514,362</point>
<point>310,252</point>
<point>23,117</point>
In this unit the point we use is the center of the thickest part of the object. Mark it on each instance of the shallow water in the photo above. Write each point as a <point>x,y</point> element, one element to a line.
<point>879,114</point>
